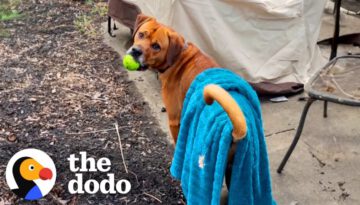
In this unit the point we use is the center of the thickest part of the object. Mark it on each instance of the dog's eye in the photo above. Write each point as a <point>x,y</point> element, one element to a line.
<point>155,46</point>
<point>141,35</point>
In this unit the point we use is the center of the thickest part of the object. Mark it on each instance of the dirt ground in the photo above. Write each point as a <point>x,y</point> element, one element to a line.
<point>59,88</point>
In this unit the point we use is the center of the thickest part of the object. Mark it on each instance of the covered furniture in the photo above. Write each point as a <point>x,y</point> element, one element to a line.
<point>272,42</point>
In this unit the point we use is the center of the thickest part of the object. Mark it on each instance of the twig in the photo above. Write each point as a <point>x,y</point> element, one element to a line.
<point>153,197</point>
<point>282,131</point>
<point>95,131</point>
<point>106,145</point>
<point>120,145</point>
<point>136,177</point>
<point>90,132</point>
<point>59,201</point>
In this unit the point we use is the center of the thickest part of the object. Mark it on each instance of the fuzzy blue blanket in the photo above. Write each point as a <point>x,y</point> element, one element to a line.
<point>204,140</point>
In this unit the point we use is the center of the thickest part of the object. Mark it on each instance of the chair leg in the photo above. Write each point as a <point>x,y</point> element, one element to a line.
<point>109,27</point>
<point>115,27</point>
<point>325,109</point>
<point>297,135</point>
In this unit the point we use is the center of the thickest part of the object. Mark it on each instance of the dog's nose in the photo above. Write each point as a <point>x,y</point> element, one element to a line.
<point>136,52</point>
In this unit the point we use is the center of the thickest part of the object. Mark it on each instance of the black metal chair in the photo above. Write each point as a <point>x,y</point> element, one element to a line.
<point>317,91</point>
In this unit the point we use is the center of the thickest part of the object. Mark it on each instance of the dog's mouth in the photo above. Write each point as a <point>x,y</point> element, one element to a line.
<point>140,60</point>
<point>143,67</point>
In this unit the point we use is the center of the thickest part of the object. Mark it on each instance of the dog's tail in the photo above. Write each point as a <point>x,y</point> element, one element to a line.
<point>214,92</point>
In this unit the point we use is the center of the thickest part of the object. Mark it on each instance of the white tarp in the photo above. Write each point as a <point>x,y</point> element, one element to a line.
<point>262,40</point>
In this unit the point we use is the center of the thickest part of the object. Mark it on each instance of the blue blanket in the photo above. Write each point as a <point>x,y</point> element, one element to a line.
<point>204,140</point>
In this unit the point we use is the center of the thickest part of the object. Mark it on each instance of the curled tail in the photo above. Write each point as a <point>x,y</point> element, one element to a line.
<point>214,92</point>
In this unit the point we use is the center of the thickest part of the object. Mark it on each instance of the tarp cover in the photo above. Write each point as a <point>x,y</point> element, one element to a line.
<point>262,40</point>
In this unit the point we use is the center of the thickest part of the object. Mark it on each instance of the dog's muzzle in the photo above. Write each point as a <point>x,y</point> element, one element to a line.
<point>137,54</point>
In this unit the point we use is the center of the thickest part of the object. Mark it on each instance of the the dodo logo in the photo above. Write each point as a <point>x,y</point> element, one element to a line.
<point>31,174</point>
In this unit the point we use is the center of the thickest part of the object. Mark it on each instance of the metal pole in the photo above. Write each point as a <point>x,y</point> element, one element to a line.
<point>297,135</point>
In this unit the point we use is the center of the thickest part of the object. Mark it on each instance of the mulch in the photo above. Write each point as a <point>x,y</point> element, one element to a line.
<point>58,89</point>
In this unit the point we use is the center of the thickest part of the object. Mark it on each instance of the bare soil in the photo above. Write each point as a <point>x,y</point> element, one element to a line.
<point>58,89</point>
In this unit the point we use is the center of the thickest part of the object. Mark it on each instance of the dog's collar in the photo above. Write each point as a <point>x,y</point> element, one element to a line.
<point>186,45</point>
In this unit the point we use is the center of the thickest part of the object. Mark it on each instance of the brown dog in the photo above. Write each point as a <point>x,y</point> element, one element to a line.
<point>160,48</point>
<point>178,62</point>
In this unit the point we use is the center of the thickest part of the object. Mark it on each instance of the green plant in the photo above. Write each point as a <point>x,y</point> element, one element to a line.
<point>89,1</point>
<point>5,16</point>
<point>100,9</point>
<point>84,24</point>
<point>8,10</point>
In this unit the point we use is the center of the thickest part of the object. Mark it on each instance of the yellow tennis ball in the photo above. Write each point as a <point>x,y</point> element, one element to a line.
<point>130,63</point>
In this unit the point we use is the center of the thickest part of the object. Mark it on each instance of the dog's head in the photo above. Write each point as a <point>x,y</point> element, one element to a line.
<point>155,45</point>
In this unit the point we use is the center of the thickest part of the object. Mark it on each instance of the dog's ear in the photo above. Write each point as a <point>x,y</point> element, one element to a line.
<point>140,20</point>
<point>176,45</point>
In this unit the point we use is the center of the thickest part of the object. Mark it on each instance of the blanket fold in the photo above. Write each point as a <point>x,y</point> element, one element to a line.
<point>204,140</point>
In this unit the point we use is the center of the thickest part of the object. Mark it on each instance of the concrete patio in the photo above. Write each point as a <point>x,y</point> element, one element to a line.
<point>324,168</point>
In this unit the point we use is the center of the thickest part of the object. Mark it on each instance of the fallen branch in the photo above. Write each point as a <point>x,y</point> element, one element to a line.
<point>92,132</point>
<point>136,177</point>
<point>279,132</point>
<point>153,197</point>
<point>120,145</point>
<point>89,132</point>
